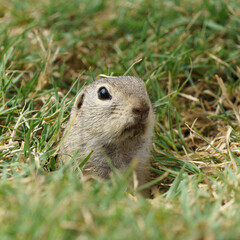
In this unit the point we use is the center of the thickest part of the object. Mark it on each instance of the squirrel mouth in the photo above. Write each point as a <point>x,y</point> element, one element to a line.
<point>136,128</point>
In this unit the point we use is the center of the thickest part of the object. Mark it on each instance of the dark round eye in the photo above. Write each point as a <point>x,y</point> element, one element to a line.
<point>103,94</point>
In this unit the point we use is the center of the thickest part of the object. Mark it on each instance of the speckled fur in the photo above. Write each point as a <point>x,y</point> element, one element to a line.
<point>98,126</point>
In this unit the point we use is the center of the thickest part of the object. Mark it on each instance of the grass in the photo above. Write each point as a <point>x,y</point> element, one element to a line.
<point>188,55</point>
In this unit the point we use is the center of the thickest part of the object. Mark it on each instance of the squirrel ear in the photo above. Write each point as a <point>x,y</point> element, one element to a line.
<point>79,100</point>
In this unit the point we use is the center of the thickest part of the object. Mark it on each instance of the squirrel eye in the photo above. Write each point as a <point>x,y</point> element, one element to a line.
<point>103,94</point>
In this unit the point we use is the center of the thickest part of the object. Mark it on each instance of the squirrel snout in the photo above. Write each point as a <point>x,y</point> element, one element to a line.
<point>141,112</point>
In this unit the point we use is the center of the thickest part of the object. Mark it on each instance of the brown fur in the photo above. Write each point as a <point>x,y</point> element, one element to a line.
<point>112,128</point>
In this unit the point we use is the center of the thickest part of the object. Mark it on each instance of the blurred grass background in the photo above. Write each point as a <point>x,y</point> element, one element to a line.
<point>188,55</point>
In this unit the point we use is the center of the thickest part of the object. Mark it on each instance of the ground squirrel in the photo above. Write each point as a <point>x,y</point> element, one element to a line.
<point>112,117</point>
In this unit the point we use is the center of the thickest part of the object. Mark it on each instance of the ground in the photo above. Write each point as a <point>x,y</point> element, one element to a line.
<point>187,53</point>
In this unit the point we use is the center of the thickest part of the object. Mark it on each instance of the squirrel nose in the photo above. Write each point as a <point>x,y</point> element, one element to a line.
<point>141,111</point>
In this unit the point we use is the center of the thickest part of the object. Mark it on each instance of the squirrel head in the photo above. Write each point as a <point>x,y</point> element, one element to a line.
<point>114,107</point>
